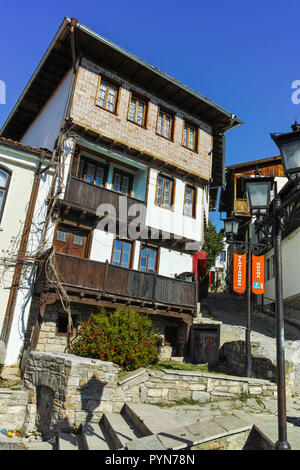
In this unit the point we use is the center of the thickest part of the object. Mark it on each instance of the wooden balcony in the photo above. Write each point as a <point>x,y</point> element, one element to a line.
<point>88,196</point>
<point>93,282</point>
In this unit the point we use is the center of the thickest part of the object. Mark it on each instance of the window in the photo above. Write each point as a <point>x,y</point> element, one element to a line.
<point>72,241</point>
<point>122,253</point>
<point>268,277</point>
<point>107,96</point>
<point>137,111</point>
<point>122,182</point>
<point>189,138</point>
<point>61,235</point>
<point>240,188</point>
<point>223,256</point>
<point>190,201</point>
<point>89,170</point>
<point>148,259</point>
<point>164,191</point>
<point>4,183</point>
<point>164,125</point>
<point>270,268</point>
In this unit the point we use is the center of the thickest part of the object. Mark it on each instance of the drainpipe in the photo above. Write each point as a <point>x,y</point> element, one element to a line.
<point>6,328</point>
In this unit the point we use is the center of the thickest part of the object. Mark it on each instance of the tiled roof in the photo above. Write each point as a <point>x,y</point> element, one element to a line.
<point>21,146</point>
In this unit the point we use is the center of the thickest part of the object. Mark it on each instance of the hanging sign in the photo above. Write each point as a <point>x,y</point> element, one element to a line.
<point>239,273</point>
<point>258,274</point>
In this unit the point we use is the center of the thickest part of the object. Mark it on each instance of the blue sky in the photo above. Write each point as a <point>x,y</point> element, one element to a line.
<point>242,55</point>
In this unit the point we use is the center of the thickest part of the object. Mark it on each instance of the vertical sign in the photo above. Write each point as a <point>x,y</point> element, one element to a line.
<point>239,273</point>
<point>258,274</point>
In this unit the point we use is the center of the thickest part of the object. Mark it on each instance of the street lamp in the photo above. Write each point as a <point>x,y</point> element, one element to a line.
<point>258,194</point>
<point>231,226</point>
<point>289,146</point>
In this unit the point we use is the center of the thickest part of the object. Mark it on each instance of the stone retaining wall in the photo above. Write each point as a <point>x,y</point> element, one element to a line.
<point>234,353</point>
<point>169,386</point>
<point>13,408</point>
<point>65,389</point>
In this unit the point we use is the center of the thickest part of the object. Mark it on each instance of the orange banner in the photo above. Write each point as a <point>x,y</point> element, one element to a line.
<point>239,273</point>
<point>258,274</point>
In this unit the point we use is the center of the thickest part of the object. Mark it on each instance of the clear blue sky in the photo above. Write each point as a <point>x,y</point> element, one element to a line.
<point>244,55</point>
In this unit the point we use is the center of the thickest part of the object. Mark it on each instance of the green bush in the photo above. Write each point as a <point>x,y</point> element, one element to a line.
<point>124,337</point>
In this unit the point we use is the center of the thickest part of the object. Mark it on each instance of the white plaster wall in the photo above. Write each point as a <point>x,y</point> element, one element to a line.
<point>290,267</point>
<point>173,262</point>
<point>23,166</point>
<point>44,131</point>
<point>174,221</point>
<point>14,212</point>
<point>102,244</point>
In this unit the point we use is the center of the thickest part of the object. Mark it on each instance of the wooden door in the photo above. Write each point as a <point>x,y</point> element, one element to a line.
<point>71,241</point>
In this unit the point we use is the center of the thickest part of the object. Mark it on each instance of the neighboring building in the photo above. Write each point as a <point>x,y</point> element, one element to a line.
<point>130,137</point>
<point>217,275</point>
<point>25,177</point>
<point>233,199</point>
<point>290,261</point>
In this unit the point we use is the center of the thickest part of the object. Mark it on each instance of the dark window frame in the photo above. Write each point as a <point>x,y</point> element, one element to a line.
<point>194,202</point>
<point>128,175</point>
<point>145,112</point>
<point>172,191</point>
<point>86,161</point>
<point>172,117</point>
<point>109,83</point>
<point>196,136</point>
<point>5,189</point>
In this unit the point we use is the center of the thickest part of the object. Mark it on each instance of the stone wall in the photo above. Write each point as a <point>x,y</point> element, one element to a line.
<point>234,353</point>
<point>169,386</point>
<point>65,389</point>
<point>13,408</point>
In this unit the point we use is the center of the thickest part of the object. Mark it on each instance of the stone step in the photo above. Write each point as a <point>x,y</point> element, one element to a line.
<point>94,437</point>
<point>67,441</point>
<point>134,415</point>
<point>120,428</point>
<point>150,419</point>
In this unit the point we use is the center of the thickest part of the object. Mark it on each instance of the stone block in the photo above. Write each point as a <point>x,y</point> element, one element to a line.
<point>201,396</point>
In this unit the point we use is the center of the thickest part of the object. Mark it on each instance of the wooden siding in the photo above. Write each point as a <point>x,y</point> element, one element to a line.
<point>88,196</point>
<point>129,284</point>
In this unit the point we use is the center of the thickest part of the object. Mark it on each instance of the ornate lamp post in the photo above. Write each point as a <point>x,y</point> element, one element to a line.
<point>231,226</point>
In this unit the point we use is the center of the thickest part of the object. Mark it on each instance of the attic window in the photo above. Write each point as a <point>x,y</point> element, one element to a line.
<point>107,96</point>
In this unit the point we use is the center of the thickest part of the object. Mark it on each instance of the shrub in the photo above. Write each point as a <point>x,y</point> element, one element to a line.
<point>124,337</point>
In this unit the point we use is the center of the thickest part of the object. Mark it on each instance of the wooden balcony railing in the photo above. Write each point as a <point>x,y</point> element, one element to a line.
<point>84,274</point>
<point>88,196</point>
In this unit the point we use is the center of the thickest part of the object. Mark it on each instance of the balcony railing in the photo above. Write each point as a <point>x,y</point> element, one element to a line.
<point>83,274</point>
<point>88,197</point>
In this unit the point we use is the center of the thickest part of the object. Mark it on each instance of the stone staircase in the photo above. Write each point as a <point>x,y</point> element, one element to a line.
<point>148,427</point>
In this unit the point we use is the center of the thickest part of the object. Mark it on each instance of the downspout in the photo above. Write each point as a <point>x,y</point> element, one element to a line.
<point>7,323</point>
